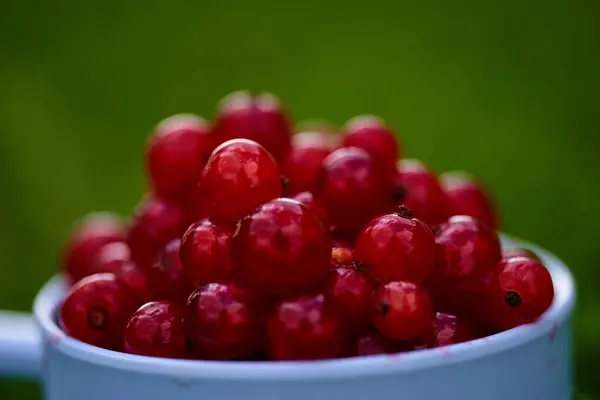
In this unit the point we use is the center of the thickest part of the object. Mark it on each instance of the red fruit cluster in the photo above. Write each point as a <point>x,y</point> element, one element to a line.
<point>257,243</point>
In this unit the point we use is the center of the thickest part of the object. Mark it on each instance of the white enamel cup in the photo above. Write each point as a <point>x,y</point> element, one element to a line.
<point>532,362</point>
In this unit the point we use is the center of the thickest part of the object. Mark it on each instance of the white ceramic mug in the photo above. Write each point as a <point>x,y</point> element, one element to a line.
<point>532,362</point>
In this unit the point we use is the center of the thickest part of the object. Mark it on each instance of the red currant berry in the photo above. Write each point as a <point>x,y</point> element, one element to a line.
<point>371,134</point>
<point>166,275</point>
<point>375,344</point>
<point>240,175</point>
<point>520,252</point>
<point>308,200</point>
<point>110,257</point>
<point>156,330</point>
<point>156,222</point>
<point>176,154</point>
<point>205,249</point>
<point>396,247</point>
<point>467,251</point>
<point>349,292</point>
<point>96,310</point>
<point>352,189</point>
<point>224,322</point>
<point>466,196</point>
<point>341,256</point>
<point>301,167</point>
<point>136,281</point>
<point>281,248</point>
<point>402,310</point>
<point>417,188</point>
<point>259,118</point>
<point>449,329</point>
<point>304,329</point>
<point>87,238</point>
<point>517,292</point>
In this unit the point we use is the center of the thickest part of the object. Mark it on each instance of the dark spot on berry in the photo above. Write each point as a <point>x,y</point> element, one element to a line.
<point>383,308</point>
<point>97,318</point>
<point>398,193</point>
<point>404,212</point>
<point>189,347</point>
<point>512,298</point>
<point>285,184</point>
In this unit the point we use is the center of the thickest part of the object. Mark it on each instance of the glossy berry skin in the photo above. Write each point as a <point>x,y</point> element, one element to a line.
<point>281,248</point>
<point>205,249</point>
<point>224,321</point>
<point>304,328</point>
<point>449,329</point>
<point>417,187</point>
<point>352,189</point>
<point>110,257</point>
<point>176,154</point>
<point>166,275</point>
<point>371,134</point>
<point>240,176</point>
<point>136,281</point>
<point>256,117</point>
<point>156,222</point>
<point>401,310</point>
<point>520,252</point>
<point>466,196</point>
<point>517,292</point>
<point>308,200</point>
<point>302,164</point>
<point>349,291</point>
<point>375,343</point>
<point>467,251</point>
<point>396,247</point>
<point>96,310</point>
<point>89,235</point>
<point>156,330</point>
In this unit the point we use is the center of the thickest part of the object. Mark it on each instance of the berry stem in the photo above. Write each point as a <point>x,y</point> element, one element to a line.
<point>359,265</point>
<point>404,212</point>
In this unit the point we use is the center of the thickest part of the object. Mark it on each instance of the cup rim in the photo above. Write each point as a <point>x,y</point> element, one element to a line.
<point>184,371</point>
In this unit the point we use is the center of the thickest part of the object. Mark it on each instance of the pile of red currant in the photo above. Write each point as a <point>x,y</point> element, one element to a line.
<point>258,243</point>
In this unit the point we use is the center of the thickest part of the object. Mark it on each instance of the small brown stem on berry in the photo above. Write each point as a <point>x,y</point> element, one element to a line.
<point>359,265</point>
<point>398,193</point>
<point>383,308</point>
<point>404,212</point>
<point>97,318</point>
<point>512,298</point>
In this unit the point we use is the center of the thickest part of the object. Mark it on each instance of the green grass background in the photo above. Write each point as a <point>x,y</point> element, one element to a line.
<point>506,89</point>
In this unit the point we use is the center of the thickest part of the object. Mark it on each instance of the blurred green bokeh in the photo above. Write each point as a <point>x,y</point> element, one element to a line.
<point>508,90</point>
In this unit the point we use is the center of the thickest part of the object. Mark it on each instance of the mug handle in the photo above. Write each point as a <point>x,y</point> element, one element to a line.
<point>20,345</point>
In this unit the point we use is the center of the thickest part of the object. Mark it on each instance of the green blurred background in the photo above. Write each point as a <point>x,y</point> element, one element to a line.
<point>508,90</point>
